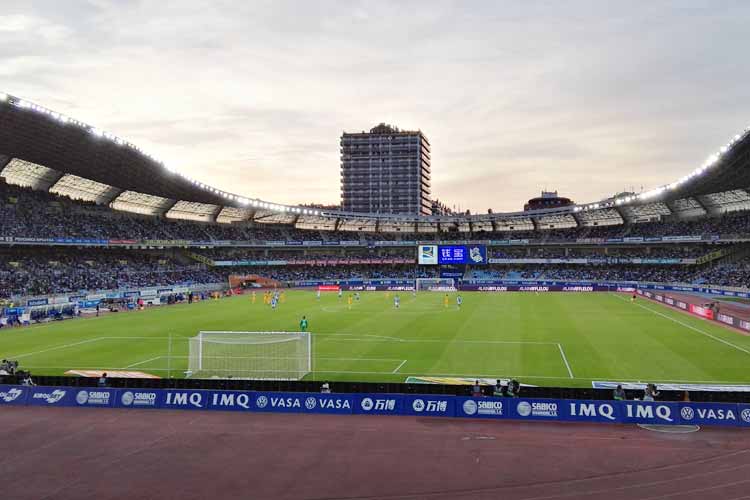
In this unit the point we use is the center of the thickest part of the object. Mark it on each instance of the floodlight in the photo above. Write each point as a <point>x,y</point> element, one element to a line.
<point>3,96</point>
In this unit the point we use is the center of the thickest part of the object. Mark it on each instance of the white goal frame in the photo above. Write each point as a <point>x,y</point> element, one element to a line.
<point>435,284</point>
<point>235,359</point>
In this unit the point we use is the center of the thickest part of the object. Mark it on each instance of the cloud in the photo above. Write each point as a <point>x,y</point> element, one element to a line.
<point>587,98</point>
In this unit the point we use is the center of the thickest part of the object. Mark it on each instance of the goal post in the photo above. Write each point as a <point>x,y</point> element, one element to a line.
<point>435,285</point>
<point>250,355</point>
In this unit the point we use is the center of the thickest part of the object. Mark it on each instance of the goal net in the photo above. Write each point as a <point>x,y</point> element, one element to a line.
<point>436,284</point>
<point>251,355</point>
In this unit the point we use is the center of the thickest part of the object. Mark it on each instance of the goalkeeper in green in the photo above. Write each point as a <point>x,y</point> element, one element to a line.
<point>303,324</point>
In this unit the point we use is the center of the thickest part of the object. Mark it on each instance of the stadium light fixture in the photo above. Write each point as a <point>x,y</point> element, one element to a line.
<point>3,96</point>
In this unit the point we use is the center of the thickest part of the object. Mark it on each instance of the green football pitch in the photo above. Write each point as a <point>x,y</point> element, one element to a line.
<point>560,339</point>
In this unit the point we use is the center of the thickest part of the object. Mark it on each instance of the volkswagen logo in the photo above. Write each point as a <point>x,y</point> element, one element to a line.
<point>687,413</point>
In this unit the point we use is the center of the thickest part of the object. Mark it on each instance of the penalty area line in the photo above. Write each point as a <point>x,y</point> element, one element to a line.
<point>64,346</point>
<point>399,366</point>
<point>565,360</point>
<point>144,362</point>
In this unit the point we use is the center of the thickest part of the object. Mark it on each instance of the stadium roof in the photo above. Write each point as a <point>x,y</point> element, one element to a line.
<point>46,150</point>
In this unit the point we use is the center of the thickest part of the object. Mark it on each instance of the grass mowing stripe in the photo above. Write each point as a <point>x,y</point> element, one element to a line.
<point>688,326</point>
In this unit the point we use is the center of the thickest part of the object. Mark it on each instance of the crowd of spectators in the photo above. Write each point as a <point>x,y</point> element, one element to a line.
<point>42,271</point>
<point>670,251</point>
<point>28,213</point>
<point>46,271</point>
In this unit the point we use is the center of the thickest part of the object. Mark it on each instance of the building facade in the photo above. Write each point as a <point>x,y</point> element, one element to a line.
<point>386,170</point>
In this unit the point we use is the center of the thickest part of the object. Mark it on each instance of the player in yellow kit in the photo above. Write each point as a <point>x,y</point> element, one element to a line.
<point>253,296</point>
<point>349,301</point>
<point>445,300</point>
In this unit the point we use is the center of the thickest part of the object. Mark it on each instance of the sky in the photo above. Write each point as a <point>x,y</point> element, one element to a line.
<point>586,98</point>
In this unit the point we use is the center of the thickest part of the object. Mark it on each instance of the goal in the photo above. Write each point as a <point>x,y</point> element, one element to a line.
<point>250,355</point>
<point>435,284</point>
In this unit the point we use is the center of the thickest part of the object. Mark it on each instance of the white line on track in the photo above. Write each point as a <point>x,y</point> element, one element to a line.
<point>399,366</point>
<point>567,365</point>
<point>686,325</point>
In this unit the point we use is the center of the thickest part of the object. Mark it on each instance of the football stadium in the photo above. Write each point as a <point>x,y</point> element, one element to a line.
<point>117,264</point>
<point>164,336</point>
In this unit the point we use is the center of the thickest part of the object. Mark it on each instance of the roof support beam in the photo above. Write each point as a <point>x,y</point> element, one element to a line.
<point>166,208</point>
<point>109,196</point>
<point>4,160</point>
<point>216,212</point>
<point>625,218</point>
<point>577,217</point>
<point>48,184</point>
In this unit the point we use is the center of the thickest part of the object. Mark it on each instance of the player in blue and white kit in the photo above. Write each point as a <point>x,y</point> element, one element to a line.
<point>396,301</point>
<point>341,292</point>
<point>274,300</point>
<point>318,294</point>
<point>459,301</point>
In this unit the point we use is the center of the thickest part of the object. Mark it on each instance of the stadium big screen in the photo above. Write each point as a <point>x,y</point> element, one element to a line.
<point>452,254</point>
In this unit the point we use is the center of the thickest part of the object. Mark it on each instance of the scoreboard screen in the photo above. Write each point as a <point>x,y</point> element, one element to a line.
<point>452,254</point>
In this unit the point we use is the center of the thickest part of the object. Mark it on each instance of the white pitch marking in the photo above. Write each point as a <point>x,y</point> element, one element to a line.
<point>144,362</point>
<point>399,366</point>
<point>64,346</point>
<point>688,326</point>
<point>567,365</point>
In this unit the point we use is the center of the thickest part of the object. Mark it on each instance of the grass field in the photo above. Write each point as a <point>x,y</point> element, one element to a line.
<point>562,339</point>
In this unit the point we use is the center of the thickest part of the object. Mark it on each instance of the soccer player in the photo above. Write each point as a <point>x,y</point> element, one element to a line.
<point>282,297</point>
<point>303,324</point>
<point>632,299</point>
<point>349,301</point>
<point>356,296</point>
<point>396,301</point>
<point>253,296</point>
<point>318,294</point>
<point>445,300</point>
<point>341,293</point>
<point>459,301</point>
<point>273,303</point>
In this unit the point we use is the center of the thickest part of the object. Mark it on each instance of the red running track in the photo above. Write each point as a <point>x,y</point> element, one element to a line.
<point>69,453</point>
